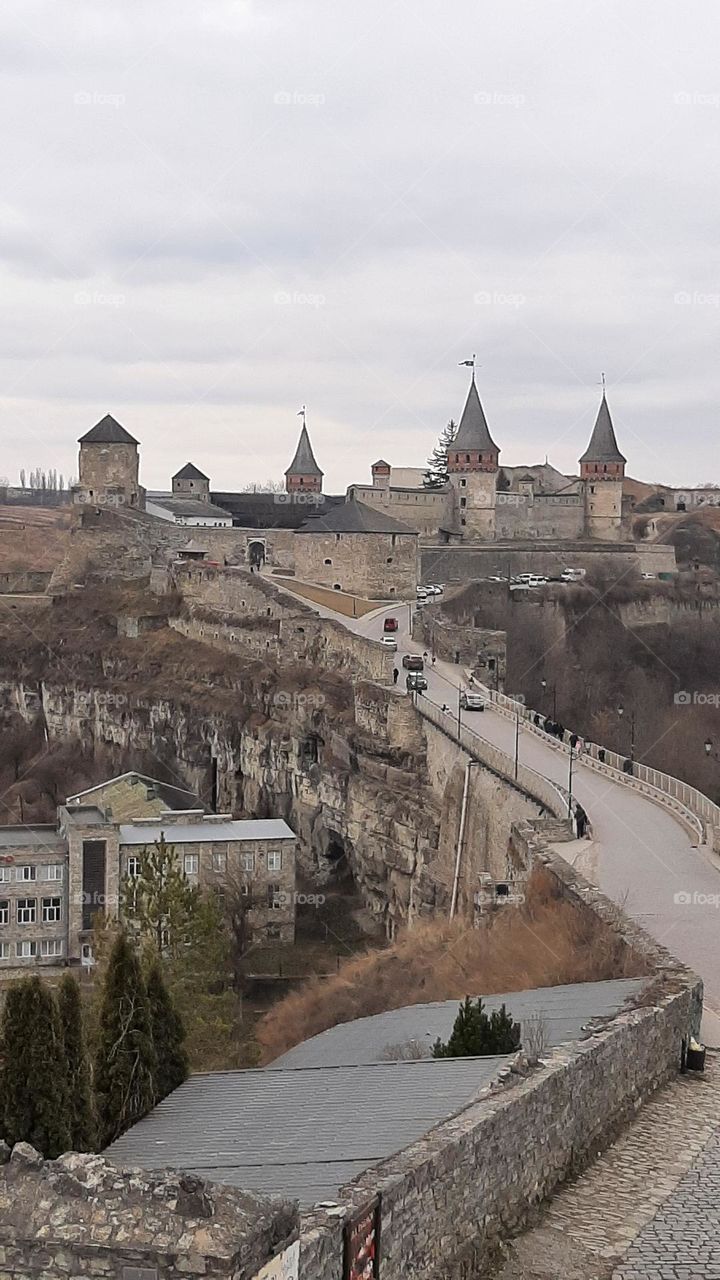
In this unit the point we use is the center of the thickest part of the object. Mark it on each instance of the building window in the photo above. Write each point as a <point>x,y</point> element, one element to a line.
<point>5,912</point>
<point>274,860</point>
<point>219,860</point>
<point>328,562</point>
<point>191,864</point>
<point>26,910</point>
<point>4,950</point>
<point>248,862</point>
<point>389,560</point>
<point>51,910</point>
<point>53,871</point>
<point>26,874</point>
<point>274,897</point>
<point>51,947</point>
<point>25,950</point>
<point>463,502</point>
<point>133,866</point>
<point>463,483</point>
<point>6,874</point>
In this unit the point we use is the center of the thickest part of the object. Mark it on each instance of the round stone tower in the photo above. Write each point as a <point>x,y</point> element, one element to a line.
<point>602,468</point>
<point>109,466</point>
<point>473,470</point>
<point>304,475</point>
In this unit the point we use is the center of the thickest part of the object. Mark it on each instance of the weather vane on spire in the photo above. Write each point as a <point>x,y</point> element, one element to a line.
<point>469,364</point>
<point>301,414</point>
<point>602,382</point>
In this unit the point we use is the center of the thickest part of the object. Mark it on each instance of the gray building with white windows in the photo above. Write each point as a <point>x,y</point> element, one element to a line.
<point>55,880</point>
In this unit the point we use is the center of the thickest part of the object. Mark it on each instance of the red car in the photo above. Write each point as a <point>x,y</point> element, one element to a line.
<point>390,624</point>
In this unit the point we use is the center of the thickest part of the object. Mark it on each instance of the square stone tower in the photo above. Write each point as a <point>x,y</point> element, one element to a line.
<point>190,482</point>
<point>473,470</point>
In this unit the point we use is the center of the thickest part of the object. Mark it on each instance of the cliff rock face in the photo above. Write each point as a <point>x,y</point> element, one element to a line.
<point>350,794</point>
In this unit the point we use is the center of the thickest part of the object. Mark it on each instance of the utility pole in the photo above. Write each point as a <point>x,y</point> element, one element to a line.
<point>517,743</point>
<point>570,781</point>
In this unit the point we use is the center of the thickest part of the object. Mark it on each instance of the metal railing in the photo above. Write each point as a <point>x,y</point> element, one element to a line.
<point>550,795</point>
<point>690,806</point>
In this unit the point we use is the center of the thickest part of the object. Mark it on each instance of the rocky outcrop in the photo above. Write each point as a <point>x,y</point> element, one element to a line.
<point>82,1216</point>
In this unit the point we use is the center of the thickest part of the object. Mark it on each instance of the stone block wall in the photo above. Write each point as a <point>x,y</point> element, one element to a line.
<point>379,566</point>
<point>481,649</point>
<point>80,1216</point>
<point>446,1199</point>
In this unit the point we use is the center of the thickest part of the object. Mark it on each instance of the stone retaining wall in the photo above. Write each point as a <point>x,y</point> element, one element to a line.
<point>447,1198</point>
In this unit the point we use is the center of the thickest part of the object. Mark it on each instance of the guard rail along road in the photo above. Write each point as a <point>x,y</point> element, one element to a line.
<point>550,795</point>
<point>691,807</point>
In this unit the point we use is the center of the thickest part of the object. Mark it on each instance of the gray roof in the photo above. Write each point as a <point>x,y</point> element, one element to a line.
<point>174,797</point>
<point>566,1010</point>
<point>190,472</point>
<point>35,838</point>
<point>473,432</point>
<point>147,831</point>
<point>355,517</point>
<point>107,431</point>
<point>300,1133</point>
<point>603,446</point>
<point>304,464</point>
<point>183,506</point>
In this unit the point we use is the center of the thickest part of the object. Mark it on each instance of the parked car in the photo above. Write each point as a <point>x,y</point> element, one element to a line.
<point>390,624</point>
<point>432,590</point>
<point>413,662</point>
<point>416,682</point>
<point>421,593</point>
<point>389,642</point>
<point>572,575</point>
<point>471,702</point>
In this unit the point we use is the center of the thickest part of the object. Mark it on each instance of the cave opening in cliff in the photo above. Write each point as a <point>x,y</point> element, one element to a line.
<point>338,859</point>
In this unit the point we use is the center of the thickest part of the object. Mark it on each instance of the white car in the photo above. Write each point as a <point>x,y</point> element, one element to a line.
<point>421,593</point>
<point>389,642</point>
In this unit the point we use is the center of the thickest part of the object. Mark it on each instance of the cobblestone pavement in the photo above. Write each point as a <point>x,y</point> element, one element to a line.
<point>648,1208</point>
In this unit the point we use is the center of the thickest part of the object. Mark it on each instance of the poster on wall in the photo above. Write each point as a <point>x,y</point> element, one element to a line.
<point>286,1266</point>
<point>362,1244</point>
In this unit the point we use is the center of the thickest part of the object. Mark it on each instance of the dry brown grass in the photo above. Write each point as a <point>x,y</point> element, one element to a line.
<point>543,944</point>
<point>32,538</point>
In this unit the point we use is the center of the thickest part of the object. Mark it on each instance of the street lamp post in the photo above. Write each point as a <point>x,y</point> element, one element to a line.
<point>570,780</point>
<point>544,685</point>
<point>621,712</point>
<point>517,743</point>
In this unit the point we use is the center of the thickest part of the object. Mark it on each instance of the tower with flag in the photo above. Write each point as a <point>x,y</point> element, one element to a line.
<point>602,469</point>
<point>304,475</point>
<point>473,462</point>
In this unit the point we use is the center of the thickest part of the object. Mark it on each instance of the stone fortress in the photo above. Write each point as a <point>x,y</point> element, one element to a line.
<point>370,540</point>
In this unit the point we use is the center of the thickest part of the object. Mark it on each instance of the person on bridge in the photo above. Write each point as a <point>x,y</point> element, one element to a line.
<point>396,675</point>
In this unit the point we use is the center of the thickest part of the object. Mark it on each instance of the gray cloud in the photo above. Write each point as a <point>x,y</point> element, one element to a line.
<point>209,215</point>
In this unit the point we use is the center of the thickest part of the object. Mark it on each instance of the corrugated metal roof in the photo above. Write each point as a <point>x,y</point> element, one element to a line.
<point>39,837</point>
<point>565,1010</point>
<point>300,1133</point>
<point>184,833</point>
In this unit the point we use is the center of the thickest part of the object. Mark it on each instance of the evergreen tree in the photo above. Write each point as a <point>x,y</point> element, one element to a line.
<point>437,473</point>
<point>33,1083</point>
<point>159,903</point>
<point>126,1063</point>
<point>477,1035</point>
<point>168,1034</point>
<point>80,1112</point>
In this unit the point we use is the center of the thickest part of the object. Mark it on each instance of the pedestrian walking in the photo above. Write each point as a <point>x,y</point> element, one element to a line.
<point>433,660</point>
<point>396,675</point>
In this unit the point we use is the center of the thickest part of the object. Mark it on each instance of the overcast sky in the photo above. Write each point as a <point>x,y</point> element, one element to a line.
<point>212,213</point>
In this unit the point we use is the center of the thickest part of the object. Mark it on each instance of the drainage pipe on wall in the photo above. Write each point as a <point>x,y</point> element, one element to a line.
<point>461,837</point>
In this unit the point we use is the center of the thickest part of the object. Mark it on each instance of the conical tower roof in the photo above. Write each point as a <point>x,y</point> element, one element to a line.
<point>304,464</point>
<point>473,433</point>
<point>603,446</point>
<point>107,431</point>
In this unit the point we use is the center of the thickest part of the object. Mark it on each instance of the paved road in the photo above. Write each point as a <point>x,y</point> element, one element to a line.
<point>640,855</point>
